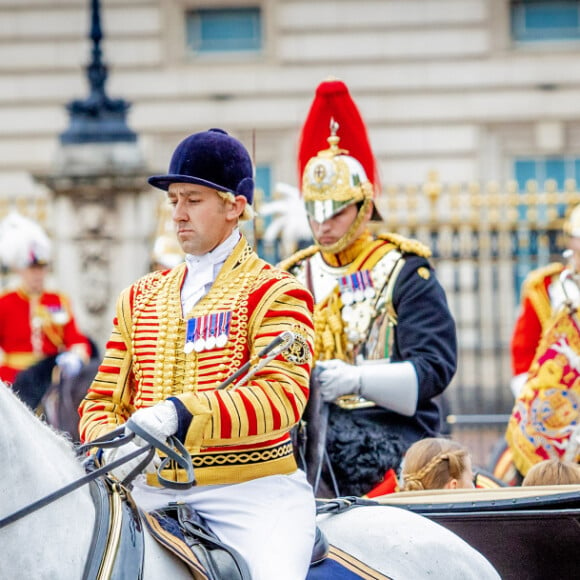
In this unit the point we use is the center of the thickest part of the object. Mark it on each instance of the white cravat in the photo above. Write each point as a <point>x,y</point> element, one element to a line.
<point>203,270</point>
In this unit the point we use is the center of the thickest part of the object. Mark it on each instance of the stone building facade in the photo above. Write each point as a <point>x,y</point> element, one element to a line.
<point>443,84</point>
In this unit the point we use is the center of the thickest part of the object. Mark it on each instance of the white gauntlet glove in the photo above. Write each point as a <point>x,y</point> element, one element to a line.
<point>394,386</point>
<point>336,378</point>
<point>69,363</point>
<point>160,421</point>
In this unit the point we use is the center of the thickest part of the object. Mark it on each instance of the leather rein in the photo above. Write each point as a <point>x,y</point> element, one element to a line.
<point>174,451</point>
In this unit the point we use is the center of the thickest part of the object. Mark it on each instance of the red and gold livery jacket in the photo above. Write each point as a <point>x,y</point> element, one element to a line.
<point>546,412</point>
<point>536,311</point>
<point>34,327</point>
<point>236,434</point>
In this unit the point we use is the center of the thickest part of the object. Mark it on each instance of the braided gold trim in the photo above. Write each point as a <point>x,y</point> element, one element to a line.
<point>407,245</point>
<point>244,457</point>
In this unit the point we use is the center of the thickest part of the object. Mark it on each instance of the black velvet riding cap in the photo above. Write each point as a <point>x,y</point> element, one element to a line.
<point>211,158</point>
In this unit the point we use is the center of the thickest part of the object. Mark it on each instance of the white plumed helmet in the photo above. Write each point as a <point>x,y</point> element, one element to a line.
<point>23,242</point>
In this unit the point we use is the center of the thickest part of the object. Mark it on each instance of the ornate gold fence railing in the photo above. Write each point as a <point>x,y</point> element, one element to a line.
<point>485,239</point>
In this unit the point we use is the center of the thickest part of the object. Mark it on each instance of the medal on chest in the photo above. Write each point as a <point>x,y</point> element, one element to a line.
<point>357,292</point>
<point>207,332</point>
<point>356,287</point>
<point>58,315</point>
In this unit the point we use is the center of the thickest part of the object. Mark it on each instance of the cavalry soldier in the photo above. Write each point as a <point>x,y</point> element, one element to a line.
<point>38,330</point>
<point>180,333</point>
<point>385,338</point>
<point>543,292</point>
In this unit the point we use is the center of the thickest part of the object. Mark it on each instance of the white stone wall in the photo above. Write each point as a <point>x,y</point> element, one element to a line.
<point>438,81</point>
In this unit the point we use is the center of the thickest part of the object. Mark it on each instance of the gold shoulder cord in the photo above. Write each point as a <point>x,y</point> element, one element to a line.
<point>385,317</point>
<point>330,337</point>
<point>407,245</point>
<point>287,263</point>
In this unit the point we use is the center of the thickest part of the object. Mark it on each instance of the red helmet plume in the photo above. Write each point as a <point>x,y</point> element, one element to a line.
<point>333,101</point>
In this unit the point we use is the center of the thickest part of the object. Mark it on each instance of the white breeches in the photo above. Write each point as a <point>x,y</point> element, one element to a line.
<point>270,521</point>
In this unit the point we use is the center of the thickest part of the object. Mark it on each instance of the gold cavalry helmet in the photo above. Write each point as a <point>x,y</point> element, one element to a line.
<point>333,180</point>
<point>335,177</point>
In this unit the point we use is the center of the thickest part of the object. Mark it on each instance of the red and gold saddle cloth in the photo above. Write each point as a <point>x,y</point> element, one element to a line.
<point>547,410</point>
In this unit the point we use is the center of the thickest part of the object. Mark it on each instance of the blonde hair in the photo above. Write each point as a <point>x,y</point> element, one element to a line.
<point>553,472</point>
<point>432,462</point>
<point>247,214</point>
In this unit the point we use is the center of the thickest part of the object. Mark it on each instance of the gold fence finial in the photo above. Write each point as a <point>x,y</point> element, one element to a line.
<point>432,187</point>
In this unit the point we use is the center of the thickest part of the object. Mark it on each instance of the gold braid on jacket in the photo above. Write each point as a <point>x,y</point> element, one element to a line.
<point>236,434</point>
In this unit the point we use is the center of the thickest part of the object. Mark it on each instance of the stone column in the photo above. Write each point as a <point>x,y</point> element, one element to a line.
<point>103,222</point>
<point>104,211</point>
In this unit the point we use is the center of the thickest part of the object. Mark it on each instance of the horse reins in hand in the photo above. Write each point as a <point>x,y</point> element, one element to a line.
<point>115,438</point>
<point>174,450</point>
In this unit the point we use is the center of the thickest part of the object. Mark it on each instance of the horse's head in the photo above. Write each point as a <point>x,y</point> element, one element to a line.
<point>36,462</point>
<point>30,447</point>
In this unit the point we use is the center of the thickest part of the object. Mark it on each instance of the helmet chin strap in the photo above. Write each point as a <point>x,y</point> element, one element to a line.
<point>352,233</point>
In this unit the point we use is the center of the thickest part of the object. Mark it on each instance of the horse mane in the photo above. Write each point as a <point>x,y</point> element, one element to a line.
<point>13,409</point>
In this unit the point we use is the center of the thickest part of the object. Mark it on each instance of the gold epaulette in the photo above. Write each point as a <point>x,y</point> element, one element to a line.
<point>536,277</point>
<point>294,259</point>
<point>406,245</point>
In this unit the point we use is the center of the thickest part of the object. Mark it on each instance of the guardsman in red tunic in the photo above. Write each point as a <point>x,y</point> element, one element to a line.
<point>37,326</point>
<point>543,292</point>
<point>180,333</point>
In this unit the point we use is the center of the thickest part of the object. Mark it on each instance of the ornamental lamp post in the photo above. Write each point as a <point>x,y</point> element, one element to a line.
<point>103,209</point>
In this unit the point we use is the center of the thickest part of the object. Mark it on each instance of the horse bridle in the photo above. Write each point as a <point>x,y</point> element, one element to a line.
<point>173,449</point>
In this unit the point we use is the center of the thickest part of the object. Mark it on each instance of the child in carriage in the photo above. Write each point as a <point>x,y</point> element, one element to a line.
<point>553,472</point>
<point>437,463</point>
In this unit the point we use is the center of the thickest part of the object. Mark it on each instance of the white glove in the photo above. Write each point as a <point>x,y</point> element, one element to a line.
<point>394,386</point>
<point>121,472</point>
<point>160,421</point>
<point>69,363</point>
<point>336,378</point>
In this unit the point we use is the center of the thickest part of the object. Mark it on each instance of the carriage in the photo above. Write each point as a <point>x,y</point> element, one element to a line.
<point>525,532</point>
<point>57,537</point>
